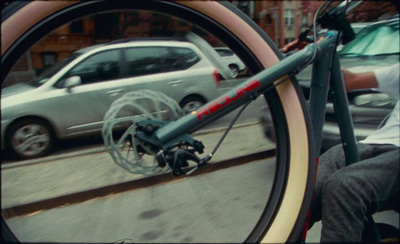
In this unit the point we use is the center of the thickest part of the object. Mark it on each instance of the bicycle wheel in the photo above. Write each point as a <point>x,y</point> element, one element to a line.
<point>388,234</point>
<point>282,214</point>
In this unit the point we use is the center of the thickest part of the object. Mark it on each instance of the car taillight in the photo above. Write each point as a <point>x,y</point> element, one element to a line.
<point>217,77</point>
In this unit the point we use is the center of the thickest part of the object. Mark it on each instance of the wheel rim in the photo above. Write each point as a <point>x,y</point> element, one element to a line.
<point>30,140</point>
<point>192,106</point>
<point>234,70</point>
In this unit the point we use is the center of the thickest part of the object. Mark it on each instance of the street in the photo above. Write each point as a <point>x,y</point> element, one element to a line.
<point>111,56</point>
<point>78,189</point>
<point>216,206</point>
<point>185,209</point>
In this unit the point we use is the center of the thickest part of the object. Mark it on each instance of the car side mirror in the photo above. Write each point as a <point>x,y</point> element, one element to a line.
<point>72,81</point>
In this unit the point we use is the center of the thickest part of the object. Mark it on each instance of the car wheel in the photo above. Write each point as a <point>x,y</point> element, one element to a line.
<point>29,138</point>
<point>234,69</point>
<point>192,103</point>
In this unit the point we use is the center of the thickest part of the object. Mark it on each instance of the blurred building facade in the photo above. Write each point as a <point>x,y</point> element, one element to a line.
<point>99,28</point>
<point>283,21</point>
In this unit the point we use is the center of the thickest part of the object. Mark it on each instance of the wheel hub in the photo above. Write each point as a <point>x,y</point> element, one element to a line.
<point>30,140</point>
<point>128,151</point>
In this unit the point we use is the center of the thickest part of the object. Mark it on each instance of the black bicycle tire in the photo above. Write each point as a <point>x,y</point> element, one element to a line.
<point>298,165</point>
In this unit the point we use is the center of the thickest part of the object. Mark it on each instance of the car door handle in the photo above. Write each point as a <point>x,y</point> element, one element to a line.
<point>175,82</point>
<point>116,92</point>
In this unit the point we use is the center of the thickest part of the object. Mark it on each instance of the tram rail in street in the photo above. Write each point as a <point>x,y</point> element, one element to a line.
<point>83,196</point>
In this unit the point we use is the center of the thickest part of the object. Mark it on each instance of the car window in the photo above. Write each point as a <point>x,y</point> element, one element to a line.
<point>145,60</point>
<point>99,67</point>
<point>183,58</point>
<point>374,41</point>
<point>224,53</point>
<point>42,78</point>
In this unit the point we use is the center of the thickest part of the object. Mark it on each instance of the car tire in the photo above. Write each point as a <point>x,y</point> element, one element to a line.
<point>29,138</point>
<point>234,69</point>
<point>192,103</point>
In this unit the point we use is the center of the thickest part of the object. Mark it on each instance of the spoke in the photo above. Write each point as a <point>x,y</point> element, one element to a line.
<point>20,134</point>
<point>42,138</point>
<point>34,129</point>
<point>35,147</point>
<point>146,105</point>
<point>122,140</point>
<point>23,146</point>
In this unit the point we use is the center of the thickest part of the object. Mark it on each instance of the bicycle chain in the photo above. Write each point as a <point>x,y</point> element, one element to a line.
<point>143,104</point>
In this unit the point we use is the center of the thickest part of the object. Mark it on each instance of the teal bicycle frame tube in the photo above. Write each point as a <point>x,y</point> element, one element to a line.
<point>250,90</point>
<point>234,98</point>
<point>326,67</point>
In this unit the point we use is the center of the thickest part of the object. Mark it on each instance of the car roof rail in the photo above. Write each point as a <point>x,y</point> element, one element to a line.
<point>162,38</point>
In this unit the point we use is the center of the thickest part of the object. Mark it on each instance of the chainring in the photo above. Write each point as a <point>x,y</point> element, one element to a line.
<point>127,151</point>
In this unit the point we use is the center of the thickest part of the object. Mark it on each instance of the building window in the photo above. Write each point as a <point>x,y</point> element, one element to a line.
<point>105,24</point>
<point>77,27</point>
<point>182,23</point>
<point>268,19</point>
<point>132,19</point>
<point>289,17</point>
<point>48,59</point>
<point>304,21</point>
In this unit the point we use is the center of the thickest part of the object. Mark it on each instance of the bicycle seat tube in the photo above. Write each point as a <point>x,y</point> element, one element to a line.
<point>319,88</point>
<point>326,74</point>
<point>343,115</point>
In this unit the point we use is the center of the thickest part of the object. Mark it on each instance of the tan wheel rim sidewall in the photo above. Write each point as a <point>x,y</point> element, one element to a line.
<point>286,218</point>
<point>16,25</point>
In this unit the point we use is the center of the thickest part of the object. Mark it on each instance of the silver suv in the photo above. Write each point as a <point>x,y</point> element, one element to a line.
<point>71,98</point>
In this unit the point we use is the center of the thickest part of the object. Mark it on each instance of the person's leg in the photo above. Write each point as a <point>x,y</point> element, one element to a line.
<point>352,192</point>
<point>333,160</point>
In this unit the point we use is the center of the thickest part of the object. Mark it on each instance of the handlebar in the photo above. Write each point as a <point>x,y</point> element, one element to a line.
<point>336,20</point>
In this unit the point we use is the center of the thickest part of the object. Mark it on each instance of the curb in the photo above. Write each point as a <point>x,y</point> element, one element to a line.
<point>100,149</point>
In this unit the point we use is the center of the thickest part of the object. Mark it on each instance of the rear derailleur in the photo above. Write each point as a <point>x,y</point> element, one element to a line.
<point>177,153</point>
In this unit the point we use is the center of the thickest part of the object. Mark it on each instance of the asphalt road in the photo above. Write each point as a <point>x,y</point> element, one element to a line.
<point>219,206</point>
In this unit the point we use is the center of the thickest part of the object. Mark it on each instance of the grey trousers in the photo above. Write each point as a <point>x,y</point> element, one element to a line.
<point>344,195</point>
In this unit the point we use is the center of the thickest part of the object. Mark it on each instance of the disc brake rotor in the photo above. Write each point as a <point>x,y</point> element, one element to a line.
<point>127,151</point>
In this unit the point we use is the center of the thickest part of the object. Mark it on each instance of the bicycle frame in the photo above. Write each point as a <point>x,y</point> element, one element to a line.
<point>326,69</point>
<point>326,77</point>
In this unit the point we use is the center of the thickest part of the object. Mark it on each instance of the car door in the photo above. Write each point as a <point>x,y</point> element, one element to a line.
<point>175,71</point>
<point>145,68</point>
<point>197,76</point>
<point>100,84</point>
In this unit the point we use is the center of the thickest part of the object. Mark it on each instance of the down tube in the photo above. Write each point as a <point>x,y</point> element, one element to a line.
<point>248,90</point>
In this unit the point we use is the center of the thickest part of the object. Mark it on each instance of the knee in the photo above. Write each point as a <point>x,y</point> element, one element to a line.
<point>345,191</point>
<point>333,186</point>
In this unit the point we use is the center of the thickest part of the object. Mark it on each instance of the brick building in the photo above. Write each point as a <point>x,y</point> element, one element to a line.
<point>281,20</point>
